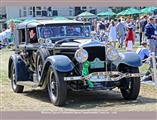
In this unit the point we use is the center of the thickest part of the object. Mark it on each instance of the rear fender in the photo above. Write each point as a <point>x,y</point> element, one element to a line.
<point>21,70</point>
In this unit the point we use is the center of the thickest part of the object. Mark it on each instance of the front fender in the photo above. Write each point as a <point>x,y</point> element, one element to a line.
<point>129,58</point>
<point>60,63</point>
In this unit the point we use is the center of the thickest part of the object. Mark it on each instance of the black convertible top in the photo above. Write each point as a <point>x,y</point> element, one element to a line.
<point>34,23</point>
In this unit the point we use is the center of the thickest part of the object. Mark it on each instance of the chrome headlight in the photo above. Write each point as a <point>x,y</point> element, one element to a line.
<point>112,53</point>
<point>81,55</point>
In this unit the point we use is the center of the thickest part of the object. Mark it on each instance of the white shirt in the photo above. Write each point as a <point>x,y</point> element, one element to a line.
<point>5,34</point>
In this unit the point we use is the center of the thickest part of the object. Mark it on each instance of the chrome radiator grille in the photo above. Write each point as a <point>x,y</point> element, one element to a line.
<point>96,52</point>
<point>97,58</point>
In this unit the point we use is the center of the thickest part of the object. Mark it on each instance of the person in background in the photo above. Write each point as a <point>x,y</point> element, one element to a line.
<point>7,36</point>
<point>102,26</point>
<point>101,29</point>
<point>142,25</point>
<point>107,23</point>
<point>11,25</point>
<point>140,29</point>
<point>123,20</point>
<point>33,36</point>
<point>151,34</point>
<point>97,26</point>
<point>129,39</point>
<point>49,12</point>
<point>120,27</point>
<point>112,33</point>
<point>143,51</point>
<point>94,24</point>
<point>156,21</point>
<point>132,23</point>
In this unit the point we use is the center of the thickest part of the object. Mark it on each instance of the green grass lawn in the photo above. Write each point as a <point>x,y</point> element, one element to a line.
<point>135,46</point>
<point>4,58</point>
<point>3,75</point>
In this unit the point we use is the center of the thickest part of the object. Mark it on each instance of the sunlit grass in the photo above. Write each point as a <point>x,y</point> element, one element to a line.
<point>3,75</point>
<point>144,68</point>
<point>135,46</point>
<point>4,58</point>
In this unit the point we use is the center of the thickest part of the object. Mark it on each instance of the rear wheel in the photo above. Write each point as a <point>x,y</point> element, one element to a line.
<point>130,87</point>
<point>16,88</point>
<point>56,87</point>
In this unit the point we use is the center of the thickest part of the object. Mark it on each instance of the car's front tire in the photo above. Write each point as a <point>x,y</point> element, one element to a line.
<point>56,87</point>
<point>16,88</point>
<point>130,87</point>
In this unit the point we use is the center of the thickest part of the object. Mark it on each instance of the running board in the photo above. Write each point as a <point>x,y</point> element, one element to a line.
<point>28,83</point>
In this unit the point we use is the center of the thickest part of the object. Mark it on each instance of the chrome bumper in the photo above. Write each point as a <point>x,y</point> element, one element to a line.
<point>103,76</point>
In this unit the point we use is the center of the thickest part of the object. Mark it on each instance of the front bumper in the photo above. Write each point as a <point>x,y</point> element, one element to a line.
<point>103,76</point>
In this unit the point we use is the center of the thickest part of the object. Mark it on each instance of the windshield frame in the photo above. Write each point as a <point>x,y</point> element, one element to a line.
<point>62,37</point>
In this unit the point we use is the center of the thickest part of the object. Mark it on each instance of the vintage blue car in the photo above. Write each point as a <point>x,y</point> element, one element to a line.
<point>62,55</point>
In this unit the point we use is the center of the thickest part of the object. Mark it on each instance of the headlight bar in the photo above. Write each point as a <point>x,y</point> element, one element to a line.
<point>103,76</point>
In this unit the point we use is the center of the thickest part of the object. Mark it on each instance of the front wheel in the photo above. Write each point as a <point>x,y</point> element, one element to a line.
<point>130,87</point>
<point>56,87</point>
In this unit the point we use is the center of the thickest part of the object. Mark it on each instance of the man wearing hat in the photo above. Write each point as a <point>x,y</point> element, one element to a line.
<point>151,34</point>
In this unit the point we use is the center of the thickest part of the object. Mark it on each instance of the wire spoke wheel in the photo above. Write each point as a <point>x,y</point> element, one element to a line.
<point>13,78</point>
<point>57,88</point>
<point>39,67</point>
<point>16,88</point>
<point>53,87</point>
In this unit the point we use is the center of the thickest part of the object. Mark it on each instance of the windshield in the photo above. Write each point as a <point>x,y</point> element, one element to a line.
<point>64,31</point>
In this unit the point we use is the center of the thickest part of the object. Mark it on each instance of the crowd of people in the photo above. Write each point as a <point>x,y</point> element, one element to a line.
<point>123,32</point>
<point>126,32</point>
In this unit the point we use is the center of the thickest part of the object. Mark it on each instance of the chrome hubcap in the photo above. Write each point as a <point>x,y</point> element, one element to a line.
<point>52,85</point>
